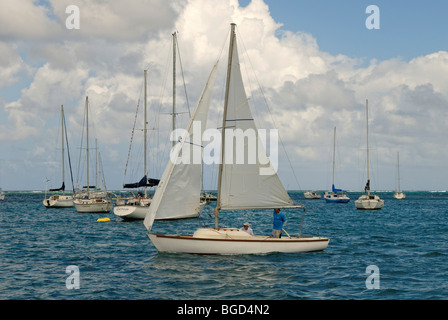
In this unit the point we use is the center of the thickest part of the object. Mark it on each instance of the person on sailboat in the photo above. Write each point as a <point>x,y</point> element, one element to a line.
<point>279,221</point>
<point>246,227</point>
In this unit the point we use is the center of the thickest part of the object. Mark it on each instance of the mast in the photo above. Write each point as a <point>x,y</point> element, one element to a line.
<point>62,143</point>
<point>174,87</point>
<point>145,134</point>
<point>398,162</point>
<point>96,163</point>
<point>334,152</point>
<point>368,155</point>
<point>87,149</point>
<point>224,119</point>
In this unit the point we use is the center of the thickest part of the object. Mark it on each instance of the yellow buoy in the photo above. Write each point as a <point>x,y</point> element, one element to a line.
<point>103,220</point>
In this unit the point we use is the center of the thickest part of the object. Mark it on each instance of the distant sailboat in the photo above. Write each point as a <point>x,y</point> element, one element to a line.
<point>91,201</point>
<point>137,207</point>
<point>368,201</point>
<point>312,195</point>
<point>2,194</point>
<point>240,186</point>
<point>335,195</point>
<point>398,194</point>
<point>60,200</point>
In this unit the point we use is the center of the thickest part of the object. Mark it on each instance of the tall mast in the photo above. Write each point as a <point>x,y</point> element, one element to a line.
<point>145,132</point>
<point>224,120</point>
<point>368,155</point>
<point>87,149</point>
<point>334,151</point>
<point>174,86</point>
<point>398,162</point>
<point>62,143</point>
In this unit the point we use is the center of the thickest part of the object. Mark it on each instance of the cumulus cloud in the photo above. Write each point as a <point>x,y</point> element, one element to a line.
<point>308,91</point>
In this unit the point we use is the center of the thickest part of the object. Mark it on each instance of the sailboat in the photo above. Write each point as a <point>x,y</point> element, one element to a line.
<point>137,207</point>
<point>87,200</point>
<point>60,200</point>
<point>312,195</point>
<point>336,195</point>
<point>368,201</point>
<point>398,194</point>
<point>2,194</point>
<point>240,186</point>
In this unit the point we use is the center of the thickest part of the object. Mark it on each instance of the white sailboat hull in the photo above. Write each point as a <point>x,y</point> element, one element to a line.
<point>139,211</point>
<point>234,242</point>
<point>369,202</point>
<point>336,198</point>
<point>133,209</point>
<point>134,212</point>
<point>399,195</point>
<point>58,201</point>
<point>92,205</point>
<point>312,195</point>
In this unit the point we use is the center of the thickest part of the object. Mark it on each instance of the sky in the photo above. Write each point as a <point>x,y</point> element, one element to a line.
<point>314,64</point>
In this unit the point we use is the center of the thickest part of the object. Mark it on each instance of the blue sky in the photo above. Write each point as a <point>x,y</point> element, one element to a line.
<point>407,28</point>
<point>401,68</point>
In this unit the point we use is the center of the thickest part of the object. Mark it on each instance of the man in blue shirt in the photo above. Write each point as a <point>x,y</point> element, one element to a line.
<point>279,220</point>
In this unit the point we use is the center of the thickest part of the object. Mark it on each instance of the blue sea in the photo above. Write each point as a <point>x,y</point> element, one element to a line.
<point>397,253</point>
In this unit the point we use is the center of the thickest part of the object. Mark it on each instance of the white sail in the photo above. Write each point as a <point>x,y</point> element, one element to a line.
<point>178,192</point>
<point>243,185</point>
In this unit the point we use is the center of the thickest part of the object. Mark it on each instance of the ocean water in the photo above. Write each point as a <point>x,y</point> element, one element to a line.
<point>406,243</point>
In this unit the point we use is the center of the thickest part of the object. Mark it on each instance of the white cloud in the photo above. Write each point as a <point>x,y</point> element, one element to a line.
<point>309,91</point>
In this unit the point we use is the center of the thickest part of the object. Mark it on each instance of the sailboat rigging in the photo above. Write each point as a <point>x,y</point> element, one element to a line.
<point>137,207</point>
<point>240,186</point>
<point>61,200</point>
<point>398,194</point>
<point>335,195</point>
<point>368,201</point>
<point>87,200</point>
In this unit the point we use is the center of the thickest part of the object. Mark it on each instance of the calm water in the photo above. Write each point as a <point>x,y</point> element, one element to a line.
<point>407,241</point>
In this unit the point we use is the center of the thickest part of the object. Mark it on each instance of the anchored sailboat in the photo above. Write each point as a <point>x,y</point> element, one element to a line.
<point>87,200</point>
<point>240,186</point>
<point>398,194</point>
<point>368,201</point>
<point>137,207</point>
<point>60,200</point>
<point>336,195</point>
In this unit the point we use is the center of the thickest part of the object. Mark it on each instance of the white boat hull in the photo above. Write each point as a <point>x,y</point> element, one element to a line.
<point>234,242</point>
<point>92,205</point>
<point>138,212</point>
<point>312,195</point>
<point>133,212</point>
<point>336,198</point>
<point>372,202</point>
<point>399,195</point>
<point>58,201</point>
